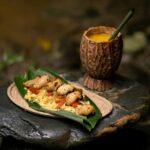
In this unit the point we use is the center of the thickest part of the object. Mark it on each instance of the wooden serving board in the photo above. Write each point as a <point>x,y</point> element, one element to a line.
<point>102,103</point>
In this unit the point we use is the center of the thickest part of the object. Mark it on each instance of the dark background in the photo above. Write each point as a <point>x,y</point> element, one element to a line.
<point>47,34</point>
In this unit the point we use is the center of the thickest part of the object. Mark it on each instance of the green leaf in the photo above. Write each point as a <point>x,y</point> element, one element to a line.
<point>30,73</point>
<point>88,122</point>
<point>19,83</point>
<point>94,118</point>
<point>63,113</point>
<point>51,73</point>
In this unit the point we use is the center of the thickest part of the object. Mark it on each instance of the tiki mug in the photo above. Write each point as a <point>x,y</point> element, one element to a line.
<point>100,57</point>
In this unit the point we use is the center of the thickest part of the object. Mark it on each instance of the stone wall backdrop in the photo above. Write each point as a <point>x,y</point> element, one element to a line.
<point>47,34</point>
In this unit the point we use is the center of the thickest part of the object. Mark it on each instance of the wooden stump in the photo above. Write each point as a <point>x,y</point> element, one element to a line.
<point>97,84</point>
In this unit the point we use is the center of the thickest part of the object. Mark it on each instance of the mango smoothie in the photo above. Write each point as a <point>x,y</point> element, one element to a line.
<point>99,37</point>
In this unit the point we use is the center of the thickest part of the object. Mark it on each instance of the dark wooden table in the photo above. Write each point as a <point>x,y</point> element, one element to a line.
<point>130,101</point>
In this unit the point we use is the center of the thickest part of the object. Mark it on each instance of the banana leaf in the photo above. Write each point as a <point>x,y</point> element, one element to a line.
<point>88,122</point>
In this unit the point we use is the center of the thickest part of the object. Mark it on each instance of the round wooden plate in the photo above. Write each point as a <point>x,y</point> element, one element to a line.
<point>102,103</point>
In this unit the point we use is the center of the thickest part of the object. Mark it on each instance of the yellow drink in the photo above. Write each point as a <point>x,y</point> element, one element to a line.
<point>99,37</point>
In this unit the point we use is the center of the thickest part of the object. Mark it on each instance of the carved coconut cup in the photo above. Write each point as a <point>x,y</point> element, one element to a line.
<point>100,59</point>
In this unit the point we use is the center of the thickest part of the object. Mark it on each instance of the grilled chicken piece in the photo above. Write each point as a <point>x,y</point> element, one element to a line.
<point>64,89</point>
<point>51,86</point>
<point>85,110</point>
<point>42,81</point>
<point>30,83</point>
<point>72,97</point>
<point>57,83</point>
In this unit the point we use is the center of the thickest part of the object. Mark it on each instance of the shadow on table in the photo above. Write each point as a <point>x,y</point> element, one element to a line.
<point>125,139</point>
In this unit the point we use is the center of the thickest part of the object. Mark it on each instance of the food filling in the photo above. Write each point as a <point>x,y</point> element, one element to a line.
<point>99,37</point>
<point>51,93</point>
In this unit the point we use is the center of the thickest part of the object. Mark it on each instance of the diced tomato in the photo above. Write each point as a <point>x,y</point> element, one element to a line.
<point>34,90</point>
<point>60,104</point>
<point>59,99</point>
<point>50,94</point>
<point>53,79</point>
<point>75,104</point>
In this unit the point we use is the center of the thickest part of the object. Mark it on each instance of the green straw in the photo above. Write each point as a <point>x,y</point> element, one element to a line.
<point>122,24</point>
